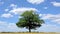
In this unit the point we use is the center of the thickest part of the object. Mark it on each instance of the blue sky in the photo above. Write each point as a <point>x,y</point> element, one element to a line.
<point>48,10</point>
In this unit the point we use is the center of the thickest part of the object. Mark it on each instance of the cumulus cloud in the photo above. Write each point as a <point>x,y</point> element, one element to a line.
<point>13,5</point>
<point>45,7</point>
<point>6,10</point>
<point>52,17</point>
<point>21,10</point>
<point>49,28</point>
<point>15,10</point>
<point>35,1</point>
<point>6,15</point>
<point>9,27</point>
<point>57,4</point>
<point>57,21</point>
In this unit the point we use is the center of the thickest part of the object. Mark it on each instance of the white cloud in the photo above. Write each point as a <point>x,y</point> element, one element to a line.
<point>35,1</point>
<point>13,5</point>
<point>6,10</point>
<point>57,4</point>
<point>49,28</point>
<point>10,27</point>
<point>21,10</point>
<point>19,17</point>
<point>45,7</point>
<point>56,20</point>
<point>6,15</point>
<point>7,27</point>
<point>51,17</point>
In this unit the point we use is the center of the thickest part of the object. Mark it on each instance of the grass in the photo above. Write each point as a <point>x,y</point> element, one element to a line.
<point>29,33</point>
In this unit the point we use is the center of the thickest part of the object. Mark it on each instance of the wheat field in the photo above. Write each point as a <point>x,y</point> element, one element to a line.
<point>32,33</point>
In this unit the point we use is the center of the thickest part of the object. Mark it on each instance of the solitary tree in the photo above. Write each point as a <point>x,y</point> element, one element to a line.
<point>29,20</point>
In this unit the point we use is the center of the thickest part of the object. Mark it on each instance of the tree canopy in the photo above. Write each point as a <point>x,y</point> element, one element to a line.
<point>30,20</point>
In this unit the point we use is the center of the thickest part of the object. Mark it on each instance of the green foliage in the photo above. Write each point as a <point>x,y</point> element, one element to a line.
<point>30,20</point>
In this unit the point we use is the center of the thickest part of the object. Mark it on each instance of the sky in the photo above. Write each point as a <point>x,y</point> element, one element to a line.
<point>48,10</point>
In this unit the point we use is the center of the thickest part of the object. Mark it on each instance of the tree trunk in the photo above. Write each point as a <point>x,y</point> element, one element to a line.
<point>29,25</point>
<point>29,29</point>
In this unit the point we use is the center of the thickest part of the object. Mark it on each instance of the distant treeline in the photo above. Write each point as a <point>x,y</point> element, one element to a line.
<point>27,32</point>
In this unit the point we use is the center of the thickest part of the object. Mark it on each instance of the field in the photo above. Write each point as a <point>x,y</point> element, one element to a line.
<point>32,33</point>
